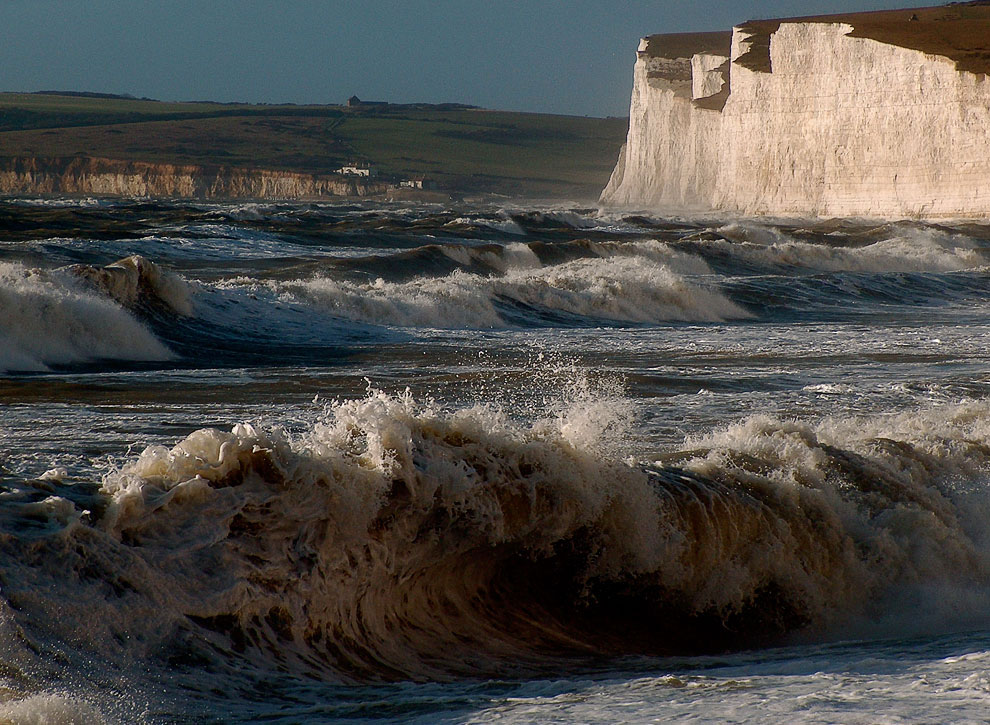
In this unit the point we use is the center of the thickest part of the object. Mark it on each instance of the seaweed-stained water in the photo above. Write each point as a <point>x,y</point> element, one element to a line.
<point>305,463</point>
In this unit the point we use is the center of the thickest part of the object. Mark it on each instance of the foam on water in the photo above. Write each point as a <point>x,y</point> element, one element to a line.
<point>398,539</point>
<point>51,318</point>
<point>907,249</point>
<point>915,490</point>
<point>502,223</point>
<point>50,709</point>
<point>620,288</point>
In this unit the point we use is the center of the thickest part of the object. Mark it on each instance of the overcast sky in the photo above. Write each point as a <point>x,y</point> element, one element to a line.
<point>530,55</point>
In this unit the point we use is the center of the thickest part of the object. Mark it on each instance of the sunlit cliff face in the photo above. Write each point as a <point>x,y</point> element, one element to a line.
<point>834,125</point>
<point>110,177</point>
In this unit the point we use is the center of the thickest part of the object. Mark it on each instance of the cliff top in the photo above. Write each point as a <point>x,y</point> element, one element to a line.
<point>684,45</point>
<point>958,31</point>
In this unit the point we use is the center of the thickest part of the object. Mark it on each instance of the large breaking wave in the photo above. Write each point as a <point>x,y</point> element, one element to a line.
<point>397,540</point>
<point>56,318</point>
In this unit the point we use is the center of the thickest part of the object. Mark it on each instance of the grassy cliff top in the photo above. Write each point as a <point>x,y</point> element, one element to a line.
<point>958,31</point>
<point>463,149</point>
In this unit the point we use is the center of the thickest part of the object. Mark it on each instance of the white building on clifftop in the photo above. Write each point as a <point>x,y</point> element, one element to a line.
<point>365,170</point>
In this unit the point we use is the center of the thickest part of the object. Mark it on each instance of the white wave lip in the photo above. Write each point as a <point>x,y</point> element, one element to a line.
<point>135,280</point>
<point>52,318</point>
<point>632,286</point>
<point>909,249</point>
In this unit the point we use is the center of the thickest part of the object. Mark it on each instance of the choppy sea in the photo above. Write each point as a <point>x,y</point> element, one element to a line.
<point>304,463</point>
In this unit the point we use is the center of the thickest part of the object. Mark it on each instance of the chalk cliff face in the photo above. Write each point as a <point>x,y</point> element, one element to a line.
<point>832,125</point>
<point>109,177</point>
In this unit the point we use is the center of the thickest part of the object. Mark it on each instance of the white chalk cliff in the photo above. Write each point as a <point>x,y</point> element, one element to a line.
<point>832,125</point>
<point>114,177</point>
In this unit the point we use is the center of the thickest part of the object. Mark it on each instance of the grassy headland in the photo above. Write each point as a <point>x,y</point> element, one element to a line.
<point>464,150</point>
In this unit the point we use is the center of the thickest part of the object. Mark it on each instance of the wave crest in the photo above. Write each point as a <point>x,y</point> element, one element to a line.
<point>617,289</point>
<point>138,282</point>
<point>50,319</point>
<point>892,248</point>
<point>397,540</point>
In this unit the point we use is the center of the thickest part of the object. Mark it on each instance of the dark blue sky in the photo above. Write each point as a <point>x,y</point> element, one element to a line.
<point>531,55</point>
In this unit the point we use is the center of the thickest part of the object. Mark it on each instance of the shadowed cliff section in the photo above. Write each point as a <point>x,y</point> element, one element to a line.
<point>684,45</point>
<point>675,50</point>
<point>959,31</point>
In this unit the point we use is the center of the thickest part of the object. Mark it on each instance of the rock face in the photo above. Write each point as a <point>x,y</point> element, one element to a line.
<point>810,118</point>
<point>109,177</point>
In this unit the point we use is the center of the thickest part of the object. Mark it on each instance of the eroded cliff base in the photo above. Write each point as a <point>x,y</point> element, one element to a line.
<point>80,175</point>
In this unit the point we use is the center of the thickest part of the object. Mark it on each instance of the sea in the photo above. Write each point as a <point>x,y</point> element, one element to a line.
<point>490,462</point>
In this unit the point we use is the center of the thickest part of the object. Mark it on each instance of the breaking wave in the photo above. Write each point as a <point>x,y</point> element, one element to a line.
<point>893,248</point>
<point>54,318</point>
<point>136,282</point>
<point>619,287</point>
<point>396,540</point>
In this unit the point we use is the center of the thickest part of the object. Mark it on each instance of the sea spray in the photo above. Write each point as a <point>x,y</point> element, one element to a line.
<point>50,318</point>
<point>531,523</point>
<point>399,539</point>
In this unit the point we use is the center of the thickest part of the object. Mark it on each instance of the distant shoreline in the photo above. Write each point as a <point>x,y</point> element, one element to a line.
<point>88,176</point>
<point>92,144</point>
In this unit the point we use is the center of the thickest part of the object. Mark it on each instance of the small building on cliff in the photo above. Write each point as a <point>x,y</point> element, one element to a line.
<point>883,114</point>
<point>418,182</point>
<point>358,169</point>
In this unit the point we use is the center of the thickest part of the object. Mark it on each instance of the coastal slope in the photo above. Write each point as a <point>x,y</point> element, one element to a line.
<point>871,114</point>
<point>92,144</point>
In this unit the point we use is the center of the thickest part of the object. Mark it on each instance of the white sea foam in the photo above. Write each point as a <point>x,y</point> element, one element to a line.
<point>53,709</point>
<point>54,203</point>
<point>913,489</point>
<point>51,318</point>
<point>909,249</point>
<point>617,288</point>
<point>502,223</point>
<point>657,252</point>
<point>567,217</point>
<point>387,526</point>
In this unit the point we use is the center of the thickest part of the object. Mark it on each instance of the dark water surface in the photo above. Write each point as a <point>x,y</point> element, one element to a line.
<point>310,463</point>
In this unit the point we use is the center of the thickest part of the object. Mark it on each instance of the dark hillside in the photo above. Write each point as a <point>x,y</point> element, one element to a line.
<point>460,148</point>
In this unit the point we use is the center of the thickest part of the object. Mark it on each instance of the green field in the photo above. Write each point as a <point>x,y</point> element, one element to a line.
<point>464,150</point>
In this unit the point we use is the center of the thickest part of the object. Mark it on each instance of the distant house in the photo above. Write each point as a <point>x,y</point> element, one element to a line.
<point>419,182</point>
<point>354,169</point>
<point>355,102</point>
